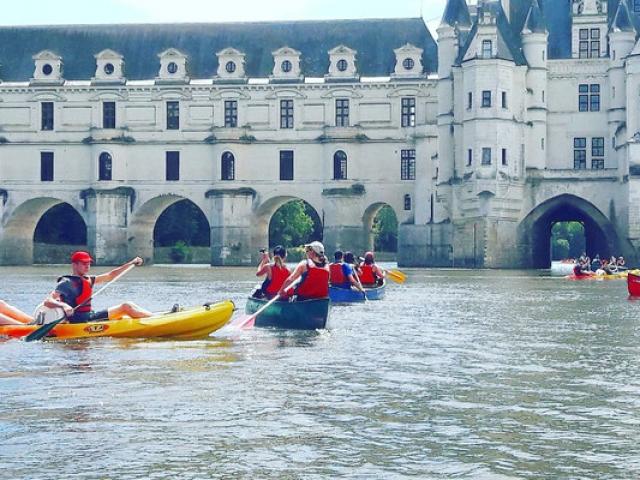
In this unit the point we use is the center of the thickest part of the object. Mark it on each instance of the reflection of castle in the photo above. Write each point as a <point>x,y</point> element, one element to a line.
<point>532,118</point>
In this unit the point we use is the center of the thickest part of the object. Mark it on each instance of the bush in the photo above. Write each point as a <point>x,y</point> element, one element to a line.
<point>179,252</point>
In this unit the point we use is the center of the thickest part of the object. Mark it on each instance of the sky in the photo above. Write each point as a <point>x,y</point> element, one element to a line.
<point>49,12</point>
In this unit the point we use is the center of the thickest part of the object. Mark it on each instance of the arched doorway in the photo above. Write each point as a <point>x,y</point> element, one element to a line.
<point>381,223</point>
<point>535,231</point>
<point>60,231</point>
<point>182,234</point>
<point>294,224</point>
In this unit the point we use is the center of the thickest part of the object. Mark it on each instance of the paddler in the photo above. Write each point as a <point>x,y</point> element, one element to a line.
<point>10,315</point>
<point>314,274</point>
<point>276,272</point>
<point>350,271</point>
<point>336,276</point>
<point>370,272</point>
<point>76,289</point>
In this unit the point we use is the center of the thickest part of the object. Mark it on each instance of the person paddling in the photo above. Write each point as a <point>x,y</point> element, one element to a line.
<point>350,271</point>
<point>276,273</point>
<point>10,315</point>
<point>370,273</point>
<point>337,278</point>
<point>73,293</point>
<point>314,274</point>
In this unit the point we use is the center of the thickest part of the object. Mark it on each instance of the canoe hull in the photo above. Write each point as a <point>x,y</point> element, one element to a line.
<point>633,284</point>
<point>194,322</point>
<point>348,295</point>
<point>615,276</point>
<point>306,315</point>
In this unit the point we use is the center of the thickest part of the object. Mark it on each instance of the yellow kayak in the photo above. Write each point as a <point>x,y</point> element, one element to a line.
<point>193,322</point>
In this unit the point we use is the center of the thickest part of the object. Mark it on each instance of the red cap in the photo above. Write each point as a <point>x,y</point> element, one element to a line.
<point>80,256</point>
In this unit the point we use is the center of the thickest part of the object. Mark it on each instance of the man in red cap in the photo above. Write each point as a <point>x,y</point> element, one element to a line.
<point>73,293</point>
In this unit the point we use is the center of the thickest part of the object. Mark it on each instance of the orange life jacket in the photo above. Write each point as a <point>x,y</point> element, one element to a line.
<point>314,283</point>
<point>83,287</point>
<point>337,275</point>
<point>278,277</point>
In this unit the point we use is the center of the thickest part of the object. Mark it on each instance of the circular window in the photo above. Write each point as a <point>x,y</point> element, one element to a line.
<point>172,68</point>
<point>47,69</point>
<point>287,66</point>
<point>408,64</point>
<point>109,68</point>
<point>230,67</point>
<point>343,65</point>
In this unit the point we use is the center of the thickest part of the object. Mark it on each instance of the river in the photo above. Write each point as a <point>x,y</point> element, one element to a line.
<point>456,374</point>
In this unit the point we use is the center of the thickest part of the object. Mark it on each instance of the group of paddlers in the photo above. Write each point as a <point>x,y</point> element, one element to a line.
<point>311,277</point>
<point>586,266</point>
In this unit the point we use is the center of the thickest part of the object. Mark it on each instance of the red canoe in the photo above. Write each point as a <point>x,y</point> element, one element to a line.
<point>633,283</point>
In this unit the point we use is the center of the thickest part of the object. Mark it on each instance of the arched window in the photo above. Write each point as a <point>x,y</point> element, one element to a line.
<point>228,166</point>
<point>407,202</point>
<point>105,167</point>
<point>340,165</point>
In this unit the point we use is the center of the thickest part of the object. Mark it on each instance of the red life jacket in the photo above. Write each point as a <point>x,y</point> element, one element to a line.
<point>314,283</point>
<point>83,287</point>
<point>337,275</point>
<point>278,276</point>
<point>367,276</point>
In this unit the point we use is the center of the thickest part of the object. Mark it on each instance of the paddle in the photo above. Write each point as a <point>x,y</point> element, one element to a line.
<point>364,293</point>
<point>396,276</point>
<point>44,330</point>
<point>247,322</point>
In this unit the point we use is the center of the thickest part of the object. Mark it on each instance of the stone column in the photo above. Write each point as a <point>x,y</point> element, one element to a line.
<point>343,220</point>
<point>108,212</point>
<point>231,221</point>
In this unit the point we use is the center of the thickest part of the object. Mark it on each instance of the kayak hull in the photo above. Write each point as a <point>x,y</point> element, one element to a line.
<point>305,315</point>
<point>633,283</point>
<point>349,295</point>
<point>615,276</point>
<point>194,322</point>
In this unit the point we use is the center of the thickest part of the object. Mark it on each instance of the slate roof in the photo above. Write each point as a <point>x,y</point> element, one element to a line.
<point>140,44</point>
<point>456,12</point>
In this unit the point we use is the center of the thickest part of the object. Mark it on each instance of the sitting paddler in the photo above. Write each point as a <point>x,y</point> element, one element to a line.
<point>581,270</point>
<point>276,272</point>
<point>10,315</point>
<point>314,275</point>
<point>370,273</point>
<point>336,274</point>
<point>75,290</point>
<point>351,272</point>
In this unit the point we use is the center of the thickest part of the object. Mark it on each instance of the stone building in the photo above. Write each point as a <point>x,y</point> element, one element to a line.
<point>524,114</point>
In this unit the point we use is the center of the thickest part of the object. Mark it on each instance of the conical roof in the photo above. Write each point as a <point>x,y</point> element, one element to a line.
<point>622,19</point>
<point>456,13</point>
<point>535,22</point>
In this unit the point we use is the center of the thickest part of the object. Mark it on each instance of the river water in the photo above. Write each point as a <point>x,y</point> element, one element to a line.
<point>456,374</point>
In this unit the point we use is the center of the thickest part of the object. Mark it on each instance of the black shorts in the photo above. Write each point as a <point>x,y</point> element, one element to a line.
<point>84,317</point>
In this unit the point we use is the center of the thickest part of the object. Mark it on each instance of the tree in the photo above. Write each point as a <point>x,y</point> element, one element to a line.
<point>567,240</point>
<point>385,230</point>
<point>294,224</point>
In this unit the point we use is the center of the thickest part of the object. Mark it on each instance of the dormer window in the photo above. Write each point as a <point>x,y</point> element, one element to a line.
<point>109,68</point>
<point>408,64</point>
<point>172,68</point>
<point>230,67</point>
<point>47,69</point>
<point>487,49</point>
<point>286,66</point>
<point>343,65</point>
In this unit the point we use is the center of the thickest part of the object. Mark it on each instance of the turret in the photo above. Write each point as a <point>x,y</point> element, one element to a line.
<point>622,34</point>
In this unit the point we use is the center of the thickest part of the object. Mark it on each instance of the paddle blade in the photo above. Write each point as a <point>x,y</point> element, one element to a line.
<point>244,322</point>
<point>396,276</point>
<point>43,331</point>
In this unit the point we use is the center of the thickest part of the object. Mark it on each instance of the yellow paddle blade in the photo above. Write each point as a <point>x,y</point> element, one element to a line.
<point>396,276</point>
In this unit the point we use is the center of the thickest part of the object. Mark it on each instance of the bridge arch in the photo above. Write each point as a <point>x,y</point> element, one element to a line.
<point>142,227</point>
<point>534,232</point>
<point>368,220</point>
<point>18,233</point>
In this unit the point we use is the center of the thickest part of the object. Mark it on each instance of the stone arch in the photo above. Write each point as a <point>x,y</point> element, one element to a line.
<point>17,245</point>
<point>368,218</point>
<point>264,214</point>
<point>534,232</point>
<point>143,223</point>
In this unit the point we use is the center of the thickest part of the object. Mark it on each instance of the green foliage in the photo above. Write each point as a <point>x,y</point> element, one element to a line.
<point>179,252</point>
<point>385,230</point>
<point>182,222</point>
<point>567,240</point>
<point>294,224</point>
<point>61,225</point>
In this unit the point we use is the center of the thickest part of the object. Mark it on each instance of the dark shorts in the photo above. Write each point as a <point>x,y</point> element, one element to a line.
<point>84,317</point>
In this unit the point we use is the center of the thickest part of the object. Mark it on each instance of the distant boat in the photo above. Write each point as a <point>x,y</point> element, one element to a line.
<point>351,295</point>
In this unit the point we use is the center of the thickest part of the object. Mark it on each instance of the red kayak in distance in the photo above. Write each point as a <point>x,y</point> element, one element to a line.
<point>633,283</point>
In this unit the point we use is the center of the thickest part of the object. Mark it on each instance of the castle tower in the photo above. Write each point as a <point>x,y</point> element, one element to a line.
<point>589,28</point>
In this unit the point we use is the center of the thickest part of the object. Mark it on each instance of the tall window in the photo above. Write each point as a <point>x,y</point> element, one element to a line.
<point>469,157</point>
<point>342,112</point>
<point>173,115</point>
<point>469,100</point>
<point>173,166</point>
<point>504,99</point>
<point>46,166</point>
<point>286,113</point>
<point>340,165</point>
<point>589,43</point>
<point>597,153</point>
<point>504,156</point>
<point>589,97</point>
<point>228,166</point>
<point>408,165</point>
<point>105,167</point>
<point>486,156</point>
<point>231,113</point>
<point>409,112</point>
<point>407,202</point>
<point>486,98</point>
<point>487,49</point>
<point>579,153</point>
<point>286,165</point>
<point>47,115</point>
<point>109,115</point>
